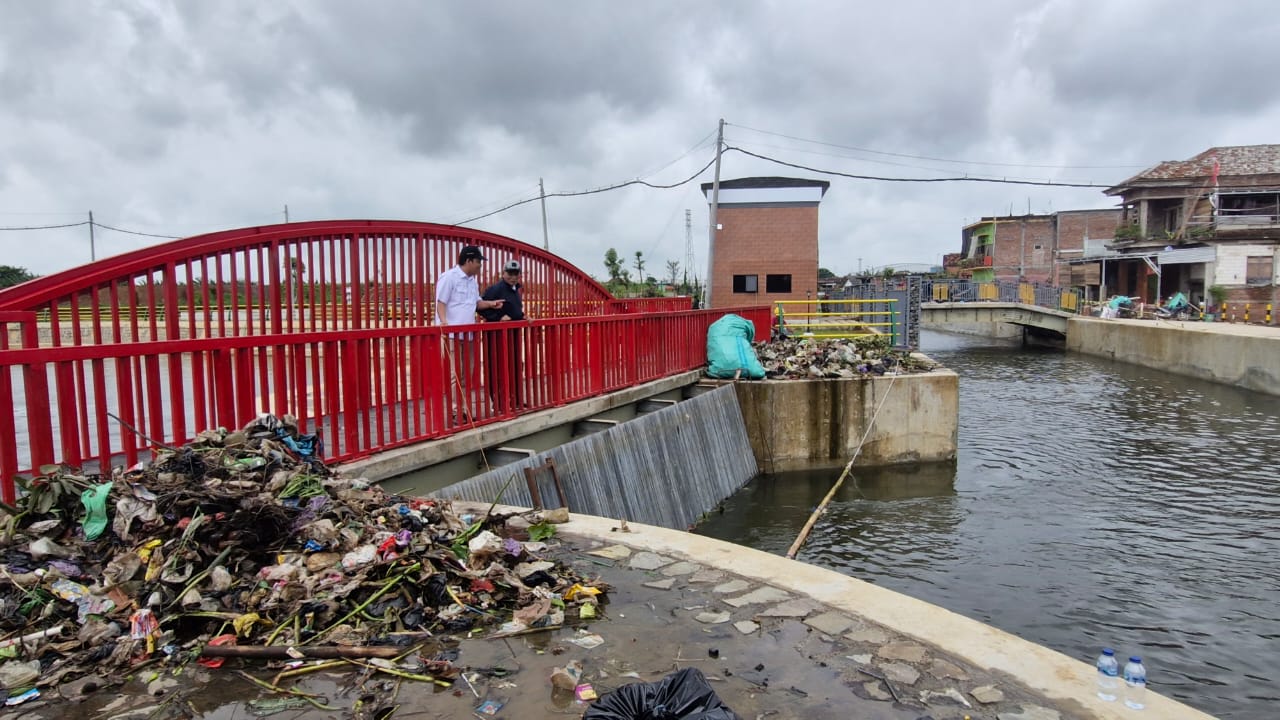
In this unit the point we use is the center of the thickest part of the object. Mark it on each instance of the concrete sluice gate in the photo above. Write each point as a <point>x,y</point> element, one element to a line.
<point>663,468</point>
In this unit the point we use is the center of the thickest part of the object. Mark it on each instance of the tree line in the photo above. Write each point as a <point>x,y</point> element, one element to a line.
<point>622,283</point>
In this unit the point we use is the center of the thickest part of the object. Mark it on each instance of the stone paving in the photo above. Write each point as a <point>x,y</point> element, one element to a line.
<point>814,662</point>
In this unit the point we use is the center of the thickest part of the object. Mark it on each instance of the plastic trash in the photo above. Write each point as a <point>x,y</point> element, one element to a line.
<point>567,677</point>
<point>19,675</point>
<point>86,602</point>
<point>586,640</point>
<point>95,510</point>
<point>21,698</point>
<point>1135,684</point>
<point>683,695</point>
<point>1108,675</point>
<point>359,557</point>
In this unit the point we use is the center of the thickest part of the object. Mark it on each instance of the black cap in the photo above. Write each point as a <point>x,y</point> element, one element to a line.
<point>470,252</point>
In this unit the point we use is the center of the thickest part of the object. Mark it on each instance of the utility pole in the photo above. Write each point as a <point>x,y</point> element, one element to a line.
<point>1022,259</point>
<point>542,195</point>
<point>93,255</point>
<point>286,213</point>
<point>688,243</point>
<point>715,202</point>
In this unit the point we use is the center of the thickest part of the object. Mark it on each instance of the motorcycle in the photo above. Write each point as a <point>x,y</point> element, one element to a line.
<point>1178,308</point>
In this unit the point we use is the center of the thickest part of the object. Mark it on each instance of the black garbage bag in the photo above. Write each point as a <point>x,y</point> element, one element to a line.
<point>683,695</point>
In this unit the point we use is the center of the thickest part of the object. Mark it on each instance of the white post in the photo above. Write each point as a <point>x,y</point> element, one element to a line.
<point>715,201</point>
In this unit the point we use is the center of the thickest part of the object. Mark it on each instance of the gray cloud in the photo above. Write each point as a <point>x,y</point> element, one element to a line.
<point>180,118</point>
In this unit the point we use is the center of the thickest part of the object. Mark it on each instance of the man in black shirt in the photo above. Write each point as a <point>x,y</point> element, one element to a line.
<point>503,348</point>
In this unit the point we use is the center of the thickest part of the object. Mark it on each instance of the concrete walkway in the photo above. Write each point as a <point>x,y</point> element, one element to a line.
<point>1238,329</point>
<point>820,636</point>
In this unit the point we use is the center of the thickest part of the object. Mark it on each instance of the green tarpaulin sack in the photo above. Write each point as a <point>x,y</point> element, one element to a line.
<point>729,349</point>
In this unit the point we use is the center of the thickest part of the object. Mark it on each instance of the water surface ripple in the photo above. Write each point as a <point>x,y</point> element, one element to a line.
<point>1092,504</point>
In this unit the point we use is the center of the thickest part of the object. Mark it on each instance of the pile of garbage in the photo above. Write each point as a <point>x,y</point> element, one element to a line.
<point>244,544</point>
<point>813,358</point>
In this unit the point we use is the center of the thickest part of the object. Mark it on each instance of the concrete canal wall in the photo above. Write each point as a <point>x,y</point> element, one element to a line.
<point>668,467</point>
<point>806,423</point>
<point>1247,356</point>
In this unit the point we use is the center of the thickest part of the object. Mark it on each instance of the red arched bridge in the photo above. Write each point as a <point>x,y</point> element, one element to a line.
<point>328,321</point>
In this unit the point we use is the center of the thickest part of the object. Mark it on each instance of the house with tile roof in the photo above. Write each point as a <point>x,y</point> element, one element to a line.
<point>1187,225</point>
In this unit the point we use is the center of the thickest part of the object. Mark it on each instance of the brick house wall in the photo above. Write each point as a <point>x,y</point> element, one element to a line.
<point>761,241</point>
<point>1073,227</point>
<point>1024,248</point>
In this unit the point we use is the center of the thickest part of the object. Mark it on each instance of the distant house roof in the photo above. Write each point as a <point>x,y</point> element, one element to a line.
<point>1233,160</point>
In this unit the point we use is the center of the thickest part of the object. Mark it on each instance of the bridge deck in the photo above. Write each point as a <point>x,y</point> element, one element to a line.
<point>937,313</point>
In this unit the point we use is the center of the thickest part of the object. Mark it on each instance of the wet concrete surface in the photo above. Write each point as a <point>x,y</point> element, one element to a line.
<point>766,652</point>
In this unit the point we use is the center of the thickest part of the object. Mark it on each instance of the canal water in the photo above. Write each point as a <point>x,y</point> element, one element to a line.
<point>1091,504</point>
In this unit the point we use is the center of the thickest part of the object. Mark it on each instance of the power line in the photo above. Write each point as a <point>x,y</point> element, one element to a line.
<point>595,191</point>
<point>846,156</point>
<point>936,159</point>
<point>135,232</point>
<point>1005,181</point>
<point>47,227</point>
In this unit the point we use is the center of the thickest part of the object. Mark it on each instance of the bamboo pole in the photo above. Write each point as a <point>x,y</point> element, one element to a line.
<point>822,506</point>
<point>319,652</point>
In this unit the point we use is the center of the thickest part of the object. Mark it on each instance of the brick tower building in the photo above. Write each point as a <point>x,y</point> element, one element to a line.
<point>767,246</point>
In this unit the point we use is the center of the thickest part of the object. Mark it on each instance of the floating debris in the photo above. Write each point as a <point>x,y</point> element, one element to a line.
<point>245,544</point>
<point>817,358</point>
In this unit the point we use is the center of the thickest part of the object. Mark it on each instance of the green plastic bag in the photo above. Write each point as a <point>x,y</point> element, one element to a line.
<point>95,510</point>
<point>729,349</point>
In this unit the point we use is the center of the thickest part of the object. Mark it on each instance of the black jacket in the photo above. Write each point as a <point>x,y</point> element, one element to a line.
<point>513,307</point>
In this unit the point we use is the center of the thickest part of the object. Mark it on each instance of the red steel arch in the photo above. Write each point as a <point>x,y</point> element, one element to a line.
<point>299,277</point>
<point>329,321</point>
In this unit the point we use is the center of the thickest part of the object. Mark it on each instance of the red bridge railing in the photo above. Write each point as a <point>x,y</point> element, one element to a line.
<point>325,321</point>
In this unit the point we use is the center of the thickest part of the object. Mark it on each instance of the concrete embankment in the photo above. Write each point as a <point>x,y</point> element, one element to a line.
<point>865,626</point>
<point>807,423</point>
<point>1247,356</point>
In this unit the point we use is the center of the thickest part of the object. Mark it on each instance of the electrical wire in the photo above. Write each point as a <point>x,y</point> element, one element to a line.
<point>1005,181</point>
<point>578,193</point>
<point>135,232</point>
<point>936,159</point>
<point>48,227</point>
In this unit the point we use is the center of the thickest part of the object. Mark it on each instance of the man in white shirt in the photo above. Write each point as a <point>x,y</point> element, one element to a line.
<point>457,300</point>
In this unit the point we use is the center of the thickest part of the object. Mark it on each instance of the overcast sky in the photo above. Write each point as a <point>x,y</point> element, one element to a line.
<point>179,118</point>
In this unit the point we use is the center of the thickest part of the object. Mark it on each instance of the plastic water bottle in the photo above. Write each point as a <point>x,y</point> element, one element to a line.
<point>1108,675</point>
<point>1135,684</point>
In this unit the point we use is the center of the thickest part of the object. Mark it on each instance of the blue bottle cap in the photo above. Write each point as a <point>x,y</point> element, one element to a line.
<point>1108,651</point>
<point>1135,659</point>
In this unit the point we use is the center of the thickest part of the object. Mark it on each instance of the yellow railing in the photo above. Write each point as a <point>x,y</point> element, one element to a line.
<point>1070,301</point>
<point>941,292</point>
<point>837,318</point>
<point>988,291</point>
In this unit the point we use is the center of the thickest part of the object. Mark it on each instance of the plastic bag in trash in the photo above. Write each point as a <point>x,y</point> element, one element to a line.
<point>683,695</point>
